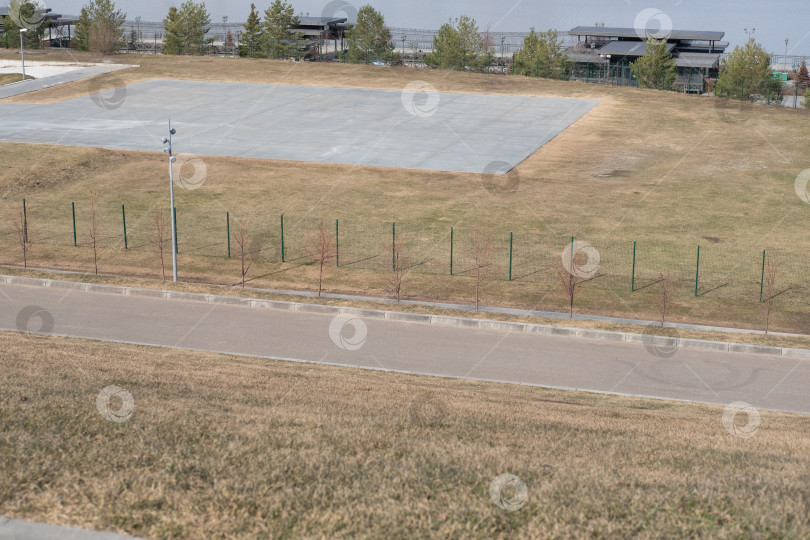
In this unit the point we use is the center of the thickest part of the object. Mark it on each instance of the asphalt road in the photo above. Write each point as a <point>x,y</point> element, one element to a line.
<point>764,381</point>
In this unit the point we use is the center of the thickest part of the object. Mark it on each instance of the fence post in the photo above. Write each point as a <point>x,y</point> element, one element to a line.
<point>25,222</point>
<point>73,208</point>
<point>697,271</point>
<point>393,246</point>
<point>282,238</point>
<point>633,278</point>
<point>511,241</point>
<point>176,245</point>
<point>228,228</point>
<point>124,219</point>
<point>571,268</point>
<point>451,251</point>
<point>762,281</point>
<point>337,244</point>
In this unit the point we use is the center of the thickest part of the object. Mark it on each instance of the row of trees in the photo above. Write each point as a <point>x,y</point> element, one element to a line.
<point>745,74</point>
<point>461,46</point>
<point>275,36</point>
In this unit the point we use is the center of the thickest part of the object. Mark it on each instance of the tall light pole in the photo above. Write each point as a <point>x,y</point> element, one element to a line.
<point>172,159</point>
<point>786,60</point>
<point>22,49</point>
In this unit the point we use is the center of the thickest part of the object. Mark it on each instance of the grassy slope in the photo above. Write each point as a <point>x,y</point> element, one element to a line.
<point>678,175</point>
<point>8,78</point>
<point>236,447</point>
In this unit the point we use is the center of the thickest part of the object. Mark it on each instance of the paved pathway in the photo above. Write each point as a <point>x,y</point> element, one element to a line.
<point>767,381</point>
<point>32,85</point>
<point>17,529</point>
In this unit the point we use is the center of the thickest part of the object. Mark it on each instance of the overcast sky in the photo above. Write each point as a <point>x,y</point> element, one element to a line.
<point>774,20</point>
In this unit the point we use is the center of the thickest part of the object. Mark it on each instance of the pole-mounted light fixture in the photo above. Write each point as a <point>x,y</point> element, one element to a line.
<point>22,49</point>
<point>168,149</point>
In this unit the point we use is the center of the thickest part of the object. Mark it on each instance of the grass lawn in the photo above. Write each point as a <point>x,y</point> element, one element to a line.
<point>667,171</point>
<point>220,446</point>
<point>8,78</point>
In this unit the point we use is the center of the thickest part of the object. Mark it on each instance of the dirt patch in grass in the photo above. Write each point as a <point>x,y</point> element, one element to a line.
<point>218,446</point>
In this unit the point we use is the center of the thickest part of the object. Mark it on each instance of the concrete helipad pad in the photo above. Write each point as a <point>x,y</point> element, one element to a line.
<point>415,128</point>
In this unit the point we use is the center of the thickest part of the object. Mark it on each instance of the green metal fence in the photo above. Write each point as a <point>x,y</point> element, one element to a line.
<point>720,269</point>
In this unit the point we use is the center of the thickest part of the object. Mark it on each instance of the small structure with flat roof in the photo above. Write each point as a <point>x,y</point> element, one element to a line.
<point>606,53</point>
<point>58,27</point>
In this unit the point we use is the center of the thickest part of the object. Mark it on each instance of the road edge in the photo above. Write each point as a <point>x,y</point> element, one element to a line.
<point>484,324</point>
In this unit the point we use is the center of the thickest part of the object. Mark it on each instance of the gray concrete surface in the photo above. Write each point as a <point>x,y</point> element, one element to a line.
<point>32,85</point>
<point>427,130</point>
<point>493,351</point>
<point>17,529</point>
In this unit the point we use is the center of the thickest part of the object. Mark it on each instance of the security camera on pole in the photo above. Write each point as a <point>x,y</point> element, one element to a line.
<point>172,159</point>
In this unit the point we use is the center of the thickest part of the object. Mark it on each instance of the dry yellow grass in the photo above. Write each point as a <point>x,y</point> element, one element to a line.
<point>8,78</point>
<point>659,168</point>
<point>224,447</point>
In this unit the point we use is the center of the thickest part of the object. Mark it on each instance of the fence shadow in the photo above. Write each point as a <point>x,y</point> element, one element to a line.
<point>712,289</point>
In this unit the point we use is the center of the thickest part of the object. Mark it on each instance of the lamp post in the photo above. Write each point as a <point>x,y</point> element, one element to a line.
<point>786,49</point>
<point>22,49</point>
<point>172,159</point>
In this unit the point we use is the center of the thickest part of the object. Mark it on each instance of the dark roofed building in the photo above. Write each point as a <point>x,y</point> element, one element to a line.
<point>58,27</point>
<point>606,53</point>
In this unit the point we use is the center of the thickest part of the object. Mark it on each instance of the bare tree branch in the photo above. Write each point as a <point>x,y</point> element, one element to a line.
<point>322,250</point>
<point>94,231</point>
<point>25,238</point>
<point>242,240</point>
<point>158,239</point>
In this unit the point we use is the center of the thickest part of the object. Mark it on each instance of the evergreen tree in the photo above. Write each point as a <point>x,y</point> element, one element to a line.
<point>173,31</point>
<point>369,39</point>
<point>100,27</point>
<point>446,49</point>
<point>28,14</point>
<point>185,29</point>
<point>252,36</point>
<point>803,77</point>
<point>746,73</point>
<point>656,69</point>
<point>457,47</point>
<point>541,56</point>
<point>277,40</point>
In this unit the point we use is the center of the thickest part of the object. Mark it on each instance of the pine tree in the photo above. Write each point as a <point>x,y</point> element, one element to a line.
<point>656,69</point>
<point>252,36</point>
<point>277,41</point>
<point>747,72</point>
<point>186,29</point>
<point>803,77</point>
<point>100,27</point>
<point>173,31</point>
<point>541,56</point>
<point>457,47</point>
<point>369,39</point>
